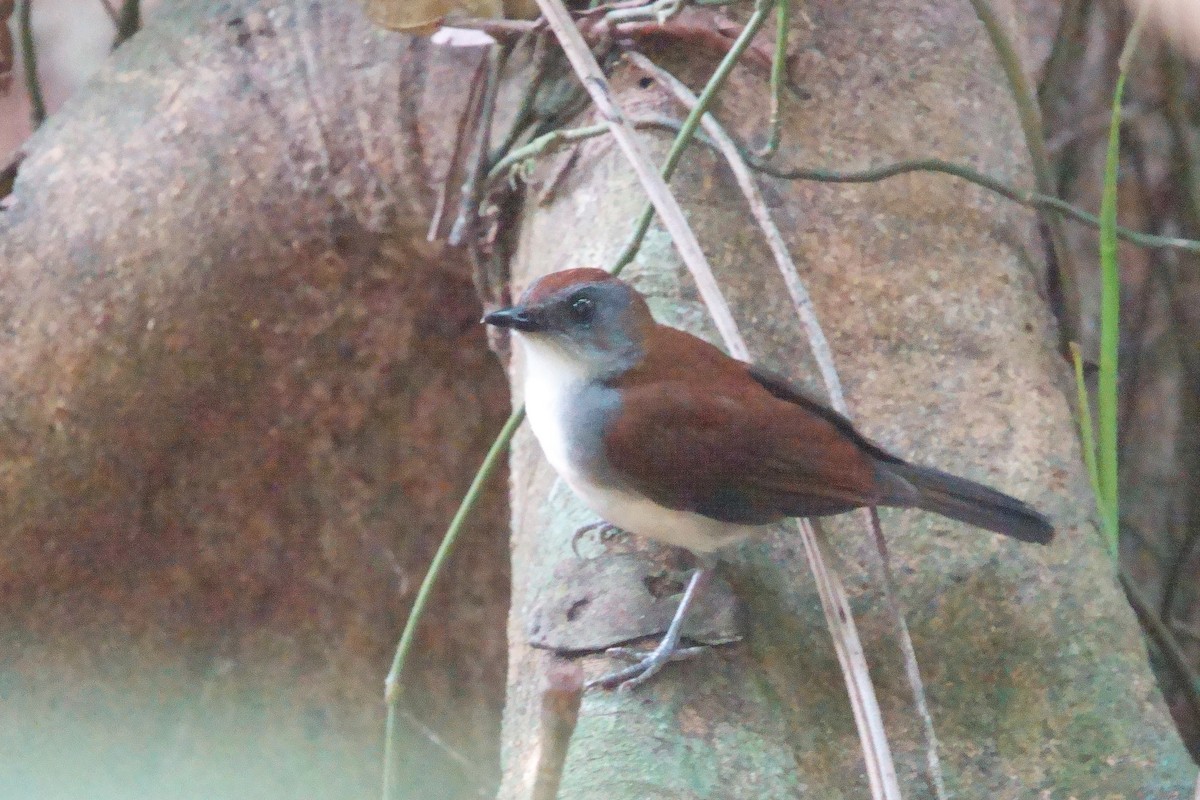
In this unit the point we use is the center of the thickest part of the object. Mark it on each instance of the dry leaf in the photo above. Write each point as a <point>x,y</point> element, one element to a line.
<point>423,17</point>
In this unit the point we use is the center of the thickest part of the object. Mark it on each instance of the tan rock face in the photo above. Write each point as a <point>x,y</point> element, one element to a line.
<point>241,400</point>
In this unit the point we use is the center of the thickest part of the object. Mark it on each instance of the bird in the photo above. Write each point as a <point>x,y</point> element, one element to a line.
<point>663,435</point>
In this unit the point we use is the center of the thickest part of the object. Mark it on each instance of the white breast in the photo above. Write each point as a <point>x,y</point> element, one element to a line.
<point>551,381</point>
<point>552,385</point>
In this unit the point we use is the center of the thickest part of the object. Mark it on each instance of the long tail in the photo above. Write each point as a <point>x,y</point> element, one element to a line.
<point>967,501</point>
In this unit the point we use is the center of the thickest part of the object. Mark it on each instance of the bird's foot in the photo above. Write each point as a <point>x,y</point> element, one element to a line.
<point>646,664</point>
<point>604,532</point>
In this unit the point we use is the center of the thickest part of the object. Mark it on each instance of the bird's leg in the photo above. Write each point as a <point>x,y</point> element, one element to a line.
<point>604,529</point>
<point>668,649</point>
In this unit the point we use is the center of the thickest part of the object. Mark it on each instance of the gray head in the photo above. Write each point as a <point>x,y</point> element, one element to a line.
<point>593,323</point>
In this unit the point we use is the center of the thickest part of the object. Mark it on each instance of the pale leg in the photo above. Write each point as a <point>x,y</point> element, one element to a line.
<point>668,649</point>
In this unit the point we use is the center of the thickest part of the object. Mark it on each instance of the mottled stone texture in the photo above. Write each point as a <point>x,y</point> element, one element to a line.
<point>932,294</point>
<point>241,398</point>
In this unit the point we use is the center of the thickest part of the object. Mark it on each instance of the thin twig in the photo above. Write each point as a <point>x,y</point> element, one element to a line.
<point>392,688</point>
<point>470,768</point>
<point>33,85</point>
<point>1035,141</point>
<point>823,355</point>
<point>1087,428</point>
<point>1022,196</point>
<point>778,73</point>
<point>722,71</point>
<point>543,145</point>
<point>521,118</point>
<point>912,668</point>
<point>462,133</point>
<point>585,66</point>
<point>468,210</point>
<point>762,215</point>
<point>559,138</point>
<point>1187,677</point>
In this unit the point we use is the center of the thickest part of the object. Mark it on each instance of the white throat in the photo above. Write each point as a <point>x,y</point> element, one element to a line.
<point>552,381</point>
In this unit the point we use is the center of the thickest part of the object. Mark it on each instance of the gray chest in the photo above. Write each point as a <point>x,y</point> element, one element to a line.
<point>569,418</point>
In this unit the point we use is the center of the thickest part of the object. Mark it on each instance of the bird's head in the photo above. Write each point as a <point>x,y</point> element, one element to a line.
<point>592,322</point>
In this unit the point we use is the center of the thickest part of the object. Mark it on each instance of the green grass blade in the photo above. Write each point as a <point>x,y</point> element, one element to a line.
<point>1110,322</point>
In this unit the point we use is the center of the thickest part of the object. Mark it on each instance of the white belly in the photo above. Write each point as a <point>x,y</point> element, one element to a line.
<point>638,514</point>
<point>550,389</point>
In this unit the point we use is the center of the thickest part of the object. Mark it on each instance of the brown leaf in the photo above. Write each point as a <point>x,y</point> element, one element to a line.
<point>422,17</point>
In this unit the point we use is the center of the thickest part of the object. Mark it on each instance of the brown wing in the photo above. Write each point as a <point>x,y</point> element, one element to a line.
<point>735,451</point>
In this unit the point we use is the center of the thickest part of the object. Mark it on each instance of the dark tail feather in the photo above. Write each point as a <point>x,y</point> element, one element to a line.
<point>966,501</point>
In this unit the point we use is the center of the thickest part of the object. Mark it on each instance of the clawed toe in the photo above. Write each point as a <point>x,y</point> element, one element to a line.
<point>635,656</point>
<point>646,664</point>
<point>605,531</point>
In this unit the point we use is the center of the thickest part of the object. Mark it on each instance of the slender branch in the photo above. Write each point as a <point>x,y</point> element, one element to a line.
<point>547,142</point>
<point>392,688</point>
<point>783,9</point>
<point>468,210</point>
<point>1108,501</point>
<point>33,85</point>
<point>689,125</point>
<point>1022,196</point>
<point>725,144</point>
<point>438,225</point>
<point>1035,140</point>
<point>593,80</point>
<point>1165,641</point>
<point>1070,23</point>
<point>912,668</point>
<point>523,114</point>
<point>543,145</point>
<point>470,768</point>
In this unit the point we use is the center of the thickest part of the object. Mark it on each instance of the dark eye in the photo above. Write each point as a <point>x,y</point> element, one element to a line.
<point>583,309</point>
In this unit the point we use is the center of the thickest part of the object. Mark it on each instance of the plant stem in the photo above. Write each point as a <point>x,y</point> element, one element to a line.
<point>392,685</point>
<point>33,85</point>
<point>690,123</point>
<point>783,9</point>
<point>1035,140</point>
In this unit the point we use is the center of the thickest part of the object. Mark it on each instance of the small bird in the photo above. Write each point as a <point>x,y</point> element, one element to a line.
<point>663,435</point>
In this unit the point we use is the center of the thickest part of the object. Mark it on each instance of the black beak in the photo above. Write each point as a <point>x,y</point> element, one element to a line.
<point>515,318</point>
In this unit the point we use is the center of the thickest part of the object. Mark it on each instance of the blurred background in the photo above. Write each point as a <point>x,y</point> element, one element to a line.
<point>1071,56</point>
